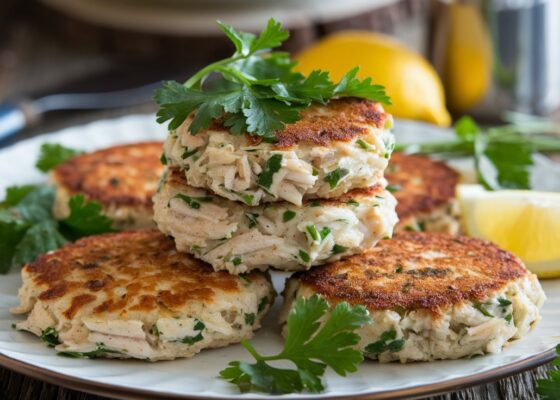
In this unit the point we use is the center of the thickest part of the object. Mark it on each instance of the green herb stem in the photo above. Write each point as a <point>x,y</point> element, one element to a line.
<point>195,81</point>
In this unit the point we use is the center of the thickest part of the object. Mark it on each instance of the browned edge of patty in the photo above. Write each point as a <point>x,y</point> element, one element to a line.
<point>124,175</point>
<point>423,184</point>
<point>394,275</point>
<point>145,264</point>
<point>176,178</point>
<point>346,120</point>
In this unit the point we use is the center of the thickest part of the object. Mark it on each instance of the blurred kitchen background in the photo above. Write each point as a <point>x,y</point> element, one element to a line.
<point>491,56</point>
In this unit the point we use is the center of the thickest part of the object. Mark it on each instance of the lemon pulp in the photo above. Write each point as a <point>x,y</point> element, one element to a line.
<point>527,223</point>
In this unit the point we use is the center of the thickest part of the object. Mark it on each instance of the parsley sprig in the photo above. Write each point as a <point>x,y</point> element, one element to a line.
<point>255,90</point>
<point>52,155</point>
<point>312,344</point>
<point>503,155</point>
<point>549,388</point>
<point>28,228</point>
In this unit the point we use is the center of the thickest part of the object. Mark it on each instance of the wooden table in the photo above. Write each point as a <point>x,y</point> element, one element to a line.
<point>26,66</point>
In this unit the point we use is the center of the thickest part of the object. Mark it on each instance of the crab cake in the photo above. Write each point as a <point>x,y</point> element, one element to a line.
<point>332,149</point>
<point>430,296</point>
<point>122,178</point>
<point>234,237</point>
<point>425,192</point>
<point>131,295</point>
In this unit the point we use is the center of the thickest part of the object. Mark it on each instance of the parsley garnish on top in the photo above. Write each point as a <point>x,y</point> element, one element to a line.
<point>255,90</point>
<point>311,346</point>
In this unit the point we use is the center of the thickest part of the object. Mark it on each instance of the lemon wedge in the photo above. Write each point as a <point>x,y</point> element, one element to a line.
<point>527,223</point>
<point>412,83</point>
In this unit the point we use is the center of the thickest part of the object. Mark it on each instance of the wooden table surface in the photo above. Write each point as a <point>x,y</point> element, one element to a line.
<point>20,76</point>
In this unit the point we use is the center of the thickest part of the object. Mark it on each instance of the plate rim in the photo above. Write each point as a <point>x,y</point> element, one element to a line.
<point>123,392</point>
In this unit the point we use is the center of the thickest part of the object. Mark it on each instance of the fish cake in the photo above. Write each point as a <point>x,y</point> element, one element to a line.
<point>425,193</point>
<point>430,296</point>
<point>331,150</point>
<point>122,178</point>
<point>235,237</point>
<point>132,295</point>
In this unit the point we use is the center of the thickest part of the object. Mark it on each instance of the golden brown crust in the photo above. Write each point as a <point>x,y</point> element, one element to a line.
<point>176,178</point>
<point>128,271</point>
<point>124,175</point>
<point>423,184</point>
<point>417,270</point>
<point>341,120</point>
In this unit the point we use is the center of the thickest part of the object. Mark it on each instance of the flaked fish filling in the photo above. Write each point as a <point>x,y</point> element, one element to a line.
<point>236,238</point>
<point>462,330</point>
<point>226,165</point>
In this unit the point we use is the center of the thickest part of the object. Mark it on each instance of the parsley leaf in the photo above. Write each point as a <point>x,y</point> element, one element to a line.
<point>253,219</point>
<point>190,340</point>
<point>338,249</point>
<point>86,218</point>
<point>12,231</point>
<point>316,87</point>
<point>333,177</point>
<point>480,307</point>
<point>304,256</point>
<point>50,336</point>
<point>100,350</point>
<point>15,194</point>
<point>288,215</point>
<point>312,232</point>
<point>192,202</point>
<point>272,166</point>
<point>387,342</point>
<point>52,155</point>
<point>255,90</point>
<point>267,115</point>
<point>503,155</point>
<point>272,36</point>
<point>549,388</point>
<point>350,86</point>
<point>28,228</point>
<point>40,238</point>
<point>311,346</point>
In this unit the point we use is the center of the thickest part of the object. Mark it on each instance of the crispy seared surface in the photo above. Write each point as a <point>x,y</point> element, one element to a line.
<point>138,271</point>
<point>119,175</point>
<point>417,271</point>
<point>176,178</point>
<point>425,184</point>
<point>341,120</point>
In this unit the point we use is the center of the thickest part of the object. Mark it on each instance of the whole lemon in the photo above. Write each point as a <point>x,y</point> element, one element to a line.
<point>469,58</point>
<point>413,85</point>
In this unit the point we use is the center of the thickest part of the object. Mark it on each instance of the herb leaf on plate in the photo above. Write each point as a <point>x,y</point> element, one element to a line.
<point>503,155</point>
<point>311,346</point>
<point>28,227</point>
<point>38,239</point>
<point>53,154</point>
<point>255,90</point>
<point>549,388</point>
<point>86,218</point>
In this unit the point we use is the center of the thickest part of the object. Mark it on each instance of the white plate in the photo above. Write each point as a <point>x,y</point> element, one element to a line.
<point>197,377</point>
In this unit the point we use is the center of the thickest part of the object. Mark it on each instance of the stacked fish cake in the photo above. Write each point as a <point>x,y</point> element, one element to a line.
<point>313,195</point>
